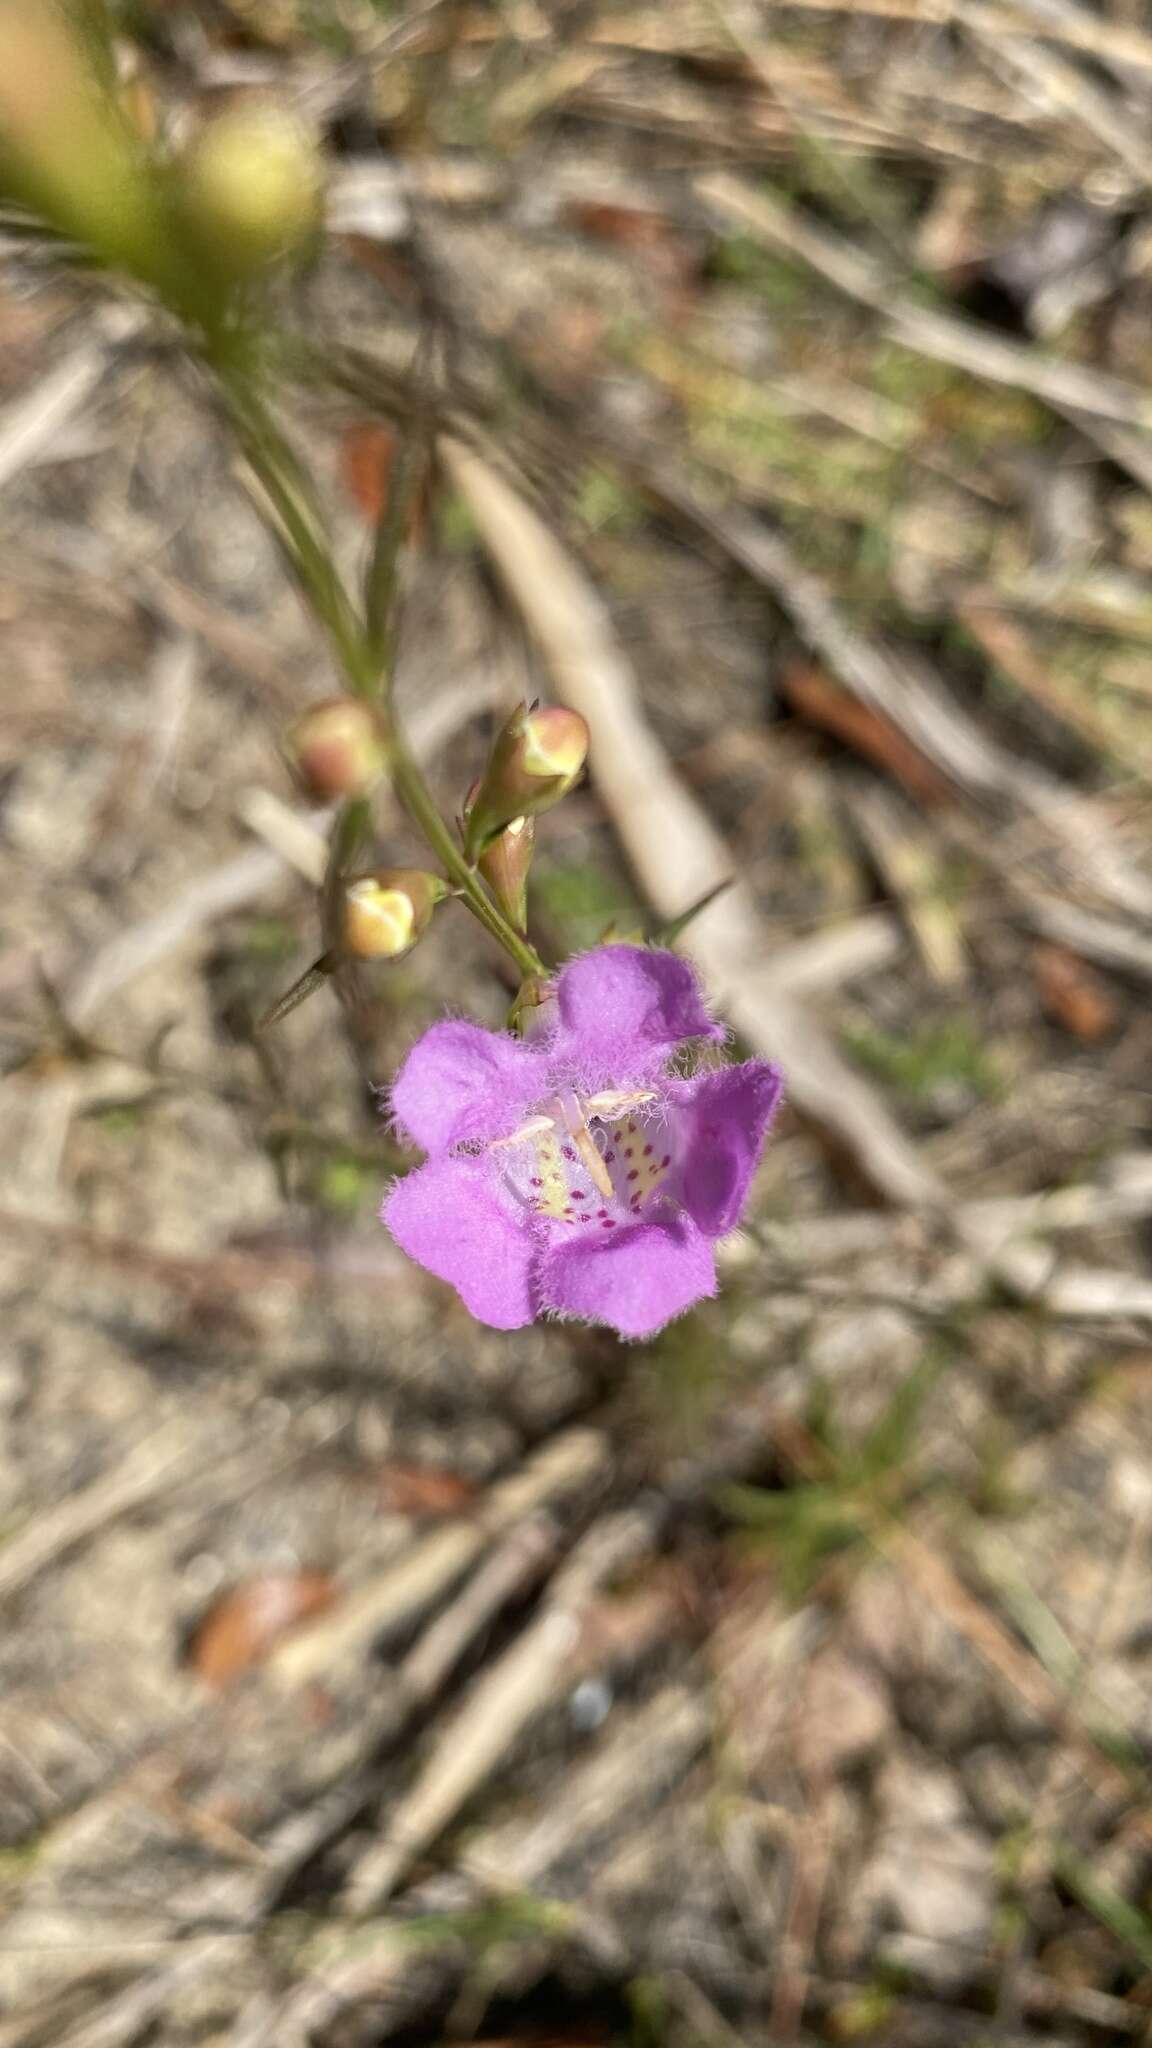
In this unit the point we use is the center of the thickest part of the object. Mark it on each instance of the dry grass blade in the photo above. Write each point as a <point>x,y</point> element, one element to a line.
<point>499,1707</point>
<point>1007,645</point>
<point>830,958</point>
<point>131,953</point>
<point>929,1571</point>
<point>569,1464</point>
<point>1120,44</point>
<point>143,1475</point>
<point>676,851</point>
<point>1062,86</point>
<point>298,842</point>
<point>32,426</point>
<point>1067,386</point>
<point>909,868</point>
<point>1101,938</point>
<point>914,701</point>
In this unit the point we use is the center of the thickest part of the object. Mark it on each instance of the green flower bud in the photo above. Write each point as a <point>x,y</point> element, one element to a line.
<point>383,914</point>
<point>67,148</point>
<point>504,865</point>
<point>337,749</point>
<point>536,758</point>
<point>534,1010</point>
<point>249,188</point>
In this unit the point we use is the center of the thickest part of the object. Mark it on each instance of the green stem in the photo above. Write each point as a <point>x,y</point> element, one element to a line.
<point>297,522</point>
<point>418,801</point>
<point>359,644</point>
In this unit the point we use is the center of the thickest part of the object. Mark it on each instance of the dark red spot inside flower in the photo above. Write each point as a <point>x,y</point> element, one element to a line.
<point>568,1152</point>
<point>608,1224</point>
<point>667,1159</point>
<point>631,1130</point>
<point>601,1212</point>
<point>578,1194</point>
<point>535,1181</point>
<point>647,1151</point>
<point>635,1173</point>
<point>609,1158</point>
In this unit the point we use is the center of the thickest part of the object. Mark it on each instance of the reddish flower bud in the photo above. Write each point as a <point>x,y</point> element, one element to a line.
<point>555,743</point>
<point>337,749</point>
<point>535,760</point>
<point>505,864</point>
<point>382,915</point>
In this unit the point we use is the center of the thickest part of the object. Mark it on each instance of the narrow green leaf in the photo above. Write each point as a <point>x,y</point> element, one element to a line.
<point>667,934</point>
<point>313,978</point>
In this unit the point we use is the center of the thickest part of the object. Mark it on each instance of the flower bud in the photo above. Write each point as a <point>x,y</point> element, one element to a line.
<point>504,865</point>
<point>250,188</point>
<point>537,757</point>
<point>67,148</point>
<point>533,1013</point>
<point>337,749</point>
<point>382,915</point>
<point>555,743</point>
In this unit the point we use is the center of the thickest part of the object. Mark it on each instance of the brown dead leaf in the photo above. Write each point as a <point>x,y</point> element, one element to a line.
<point>654,240</point>
<point>1074,993</point>
<point>425,1491</point>
<point>815,698</point>
<point>367,453</point>
<point>367,460</point>
<point>243,1627</point>
<point>388,263</point>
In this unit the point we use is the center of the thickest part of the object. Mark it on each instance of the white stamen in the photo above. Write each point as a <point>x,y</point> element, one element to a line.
<point>569,1112</point>
<point>534,1128</point>
<point>598,1172</point>
<point>611,1104</point>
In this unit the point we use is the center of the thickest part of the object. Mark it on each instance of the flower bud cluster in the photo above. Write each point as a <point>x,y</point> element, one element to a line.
<point>536,758</point>
<point>338,751</point>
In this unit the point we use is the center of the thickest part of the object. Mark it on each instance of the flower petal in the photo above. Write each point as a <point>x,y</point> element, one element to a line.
<point>721,1120</point>
<point>624,1007</point>
<point>460,1082</point>
<point>448,1216</point>
<point>634,1280</point>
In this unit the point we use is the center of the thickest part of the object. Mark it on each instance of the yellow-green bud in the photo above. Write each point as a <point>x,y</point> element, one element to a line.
<point>249,188</point>
<point>505,864</point>
<point>337,749</point>
<point>536,758</point>
<point>555,742</point>
<point>383,914</point>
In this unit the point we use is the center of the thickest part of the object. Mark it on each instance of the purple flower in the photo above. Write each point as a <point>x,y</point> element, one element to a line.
<point>572,1174</point>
